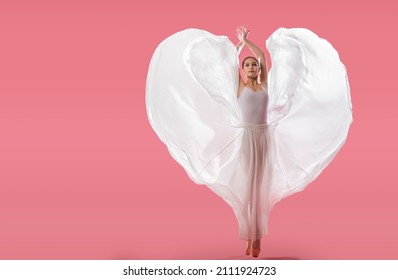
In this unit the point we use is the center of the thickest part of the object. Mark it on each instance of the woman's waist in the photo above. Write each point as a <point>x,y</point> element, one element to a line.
<point>253,125</point>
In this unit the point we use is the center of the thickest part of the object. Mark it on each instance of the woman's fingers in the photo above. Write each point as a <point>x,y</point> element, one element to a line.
<point>242,31</point>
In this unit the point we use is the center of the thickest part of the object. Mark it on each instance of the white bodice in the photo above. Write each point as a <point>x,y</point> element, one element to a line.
<point>253,105</point>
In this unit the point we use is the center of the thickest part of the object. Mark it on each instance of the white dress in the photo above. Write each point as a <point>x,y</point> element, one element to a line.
<point>251,158</point>
<point>252,176</point>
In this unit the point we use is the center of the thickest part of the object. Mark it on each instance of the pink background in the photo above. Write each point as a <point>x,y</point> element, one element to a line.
<point>83,175</point>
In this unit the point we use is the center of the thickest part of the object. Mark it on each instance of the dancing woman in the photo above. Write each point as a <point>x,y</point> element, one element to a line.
<point>253,103</point>
<point>257,139</point>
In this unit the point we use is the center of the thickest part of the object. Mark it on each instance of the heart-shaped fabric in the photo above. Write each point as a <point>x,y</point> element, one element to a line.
<point>192,105</point>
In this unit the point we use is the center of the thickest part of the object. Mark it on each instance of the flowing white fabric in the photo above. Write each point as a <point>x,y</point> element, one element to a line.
<point>192,105</point>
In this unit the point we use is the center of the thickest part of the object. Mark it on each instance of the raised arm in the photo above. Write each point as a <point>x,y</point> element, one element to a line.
<point>243,32</point>
<point>239,46</point>
<point>262,61</point>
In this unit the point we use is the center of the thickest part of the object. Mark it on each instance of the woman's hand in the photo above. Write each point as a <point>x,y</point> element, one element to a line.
<point>242,33</point>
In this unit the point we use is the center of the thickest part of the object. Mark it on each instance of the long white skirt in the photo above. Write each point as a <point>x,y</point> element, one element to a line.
<point>191,100</point>
<point>254,174</point>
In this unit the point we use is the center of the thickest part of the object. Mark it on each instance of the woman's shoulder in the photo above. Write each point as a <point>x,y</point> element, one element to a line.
<point>259,87</point>
<point>264,86</point>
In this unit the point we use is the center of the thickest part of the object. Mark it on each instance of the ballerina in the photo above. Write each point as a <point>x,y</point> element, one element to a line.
<point>253,101</point>
<point>251,142</point>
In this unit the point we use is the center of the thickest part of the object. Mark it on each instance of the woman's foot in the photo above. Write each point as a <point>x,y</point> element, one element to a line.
<point>256,248</point>
<point>248,247</point>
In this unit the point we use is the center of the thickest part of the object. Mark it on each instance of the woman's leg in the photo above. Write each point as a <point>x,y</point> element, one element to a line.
<point>256,247</point>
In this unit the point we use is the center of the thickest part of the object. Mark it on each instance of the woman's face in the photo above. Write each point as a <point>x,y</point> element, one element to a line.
<point>250,68</point>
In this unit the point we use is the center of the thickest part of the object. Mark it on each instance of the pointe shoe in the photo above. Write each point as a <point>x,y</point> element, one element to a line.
<point>256,252</point>
<point>248,247</point>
